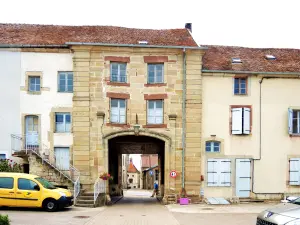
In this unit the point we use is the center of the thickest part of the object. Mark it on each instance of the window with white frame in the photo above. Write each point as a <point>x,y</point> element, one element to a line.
<point>155,112</point>
<point>63,122</point>
<point>34,83</point>
<point>294,121</point>
<point>212,146</point>
<point>241,120</point>
<point>219,172</point>
<point>118,72</point>
<point>65,82</point>
<point>155,73</point>
<point>294,171</point>
<point>118,111</point>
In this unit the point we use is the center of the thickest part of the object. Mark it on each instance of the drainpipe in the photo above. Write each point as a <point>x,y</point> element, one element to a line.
<point>183,116</point>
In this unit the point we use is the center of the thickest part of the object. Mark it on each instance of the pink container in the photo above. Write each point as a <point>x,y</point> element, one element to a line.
<point>184,201</point>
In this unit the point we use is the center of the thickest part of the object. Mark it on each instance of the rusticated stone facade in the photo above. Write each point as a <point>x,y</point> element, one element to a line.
<point>91,108</point>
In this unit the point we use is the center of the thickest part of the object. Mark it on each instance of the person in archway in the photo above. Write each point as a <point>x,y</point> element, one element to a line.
<point>155,190</point>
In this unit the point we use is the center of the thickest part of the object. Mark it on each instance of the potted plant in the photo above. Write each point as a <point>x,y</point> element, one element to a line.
<point>183,200</point>
<point>106,176</point>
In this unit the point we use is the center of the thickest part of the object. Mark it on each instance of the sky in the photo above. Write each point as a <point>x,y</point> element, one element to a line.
<point>249,23</point>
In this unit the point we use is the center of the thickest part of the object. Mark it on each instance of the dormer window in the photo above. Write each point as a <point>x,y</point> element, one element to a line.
<point>236,60</point>
<point>270,57</point>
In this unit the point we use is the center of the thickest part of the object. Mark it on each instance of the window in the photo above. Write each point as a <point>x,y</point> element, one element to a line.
<point>130,180</point>
<point>46,184</point>
<point>294,121</point>
<point>240,86</point>
<point>219,172</point>
<point>6,182</point>
<point>2,156</point>
<point>155,73</point>
<point>118,72</point>
<point>63,122</point>
<point>294,171</point>
<point>156,174</point>
<point>132,175</point>
<point>241,120</point>
<point>25,184</point>
<point>34,84</point>
<point>212,146</point>
<point>118,111</point>
<point>155,112</point>
<point>65,82</point>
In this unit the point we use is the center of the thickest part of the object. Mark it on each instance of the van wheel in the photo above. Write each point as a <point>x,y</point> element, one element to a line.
<point>50,205</point>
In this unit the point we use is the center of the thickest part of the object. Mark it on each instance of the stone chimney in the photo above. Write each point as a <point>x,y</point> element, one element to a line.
<point>189,26</point>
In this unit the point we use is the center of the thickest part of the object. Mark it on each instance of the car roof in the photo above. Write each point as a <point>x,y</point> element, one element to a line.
<point>23,175</point>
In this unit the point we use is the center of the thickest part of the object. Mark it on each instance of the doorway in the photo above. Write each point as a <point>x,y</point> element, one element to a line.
<point>31,132</point>
<point>243,178</point>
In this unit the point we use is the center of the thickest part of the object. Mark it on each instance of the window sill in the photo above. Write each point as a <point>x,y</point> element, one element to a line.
<point>155,85</point>
<point>241,94</point>
<point>62,132</point>
<point>68,92</point>
<point>294,135</point>
<point>155,126</point>
<point>118,84</point>
<point>34,92</point>
<point>122,125</point>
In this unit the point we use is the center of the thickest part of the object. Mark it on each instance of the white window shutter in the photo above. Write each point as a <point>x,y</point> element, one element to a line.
<point>225,172</point>
<point>236,119</point>
<point>290,121</point>
<point>211,172</point>
<point>294,171</point>
<point>247,120</point>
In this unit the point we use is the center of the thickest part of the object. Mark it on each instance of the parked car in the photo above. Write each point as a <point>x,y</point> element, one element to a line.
<point>287,213</point>
<point>27,190</point>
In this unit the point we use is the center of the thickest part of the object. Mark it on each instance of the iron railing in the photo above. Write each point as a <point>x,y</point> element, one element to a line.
<point>30,144</point>
<point>99,187</point>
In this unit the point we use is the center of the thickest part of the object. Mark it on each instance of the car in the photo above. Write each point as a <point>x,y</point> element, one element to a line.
<point>287,213</point>
<point>28,190</point>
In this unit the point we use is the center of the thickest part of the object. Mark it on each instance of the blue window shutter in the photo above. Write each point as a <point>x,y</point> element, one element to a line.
<point>290,120</point>
<point>294,171</point>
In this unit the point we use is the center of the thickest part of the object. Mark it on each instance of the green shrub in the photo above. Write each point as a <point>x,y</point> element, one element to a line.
<point>4,220</point>
<point>7,165</point>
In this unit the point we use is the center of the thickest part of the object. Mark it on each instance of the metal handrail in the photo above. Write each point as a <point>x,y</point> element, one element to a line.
<point>99,187</point>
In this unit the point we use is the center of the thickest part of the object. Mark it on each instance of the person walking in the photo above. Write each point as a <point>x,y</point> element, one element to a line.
<point>155,190</point>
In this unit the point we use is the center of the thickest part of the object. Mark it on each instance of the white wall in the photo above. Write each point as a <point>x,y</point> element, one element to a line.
<point>10,74</point>
<point>49,64</point>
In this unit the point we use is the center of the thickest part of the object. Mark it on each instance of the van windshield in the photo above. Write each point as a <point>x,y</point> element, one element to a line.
<point>45,183</point>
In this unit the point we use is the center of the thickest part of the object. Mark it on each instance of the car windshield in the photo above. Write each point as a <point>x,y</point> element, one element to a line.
<point>45,183</point>
<point>296,201</point>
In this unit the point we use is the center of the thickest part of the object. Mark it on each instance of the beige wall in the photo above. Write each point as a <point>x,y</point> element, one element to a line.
<point>135,180</point>
<point>271,172</point>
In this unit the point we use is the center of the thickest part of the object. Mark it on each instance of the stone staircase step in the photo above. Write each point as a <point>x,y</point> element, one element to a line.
<point>79,201</point>
<point>85,205</point>
<point>81,197</point>
<point>87,194</point>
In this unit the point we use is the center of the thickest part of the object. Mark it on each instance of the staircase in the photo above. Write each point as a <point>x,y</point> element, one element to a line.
<point>171,199</point>
<point>85,199</point>
<point>21,148</point>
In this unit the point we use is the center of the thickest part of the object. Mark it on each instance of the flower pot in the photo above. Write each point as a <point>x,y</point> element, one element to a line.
<point>184,201</point>
<point>104,178</point>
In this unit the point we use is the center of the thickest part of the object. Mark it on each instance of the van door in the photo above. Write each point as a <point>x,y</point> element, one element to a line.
<point>7,192</point>
<point>28,193</point>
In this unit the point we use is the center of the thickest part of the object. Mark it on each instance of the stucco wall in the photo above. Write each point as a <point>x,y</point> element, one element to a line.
<point>49,64</point>
<point>10,75</point>
<point>271,172</point>
<point>135,180</point>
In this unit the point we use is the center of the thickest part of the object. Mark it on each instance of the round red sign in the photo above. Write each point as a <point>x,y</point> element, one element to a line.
<point>173,173</point>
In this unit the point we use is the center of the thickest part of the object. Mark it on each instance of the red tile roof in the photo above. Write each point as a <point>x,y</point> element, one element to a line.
<point>219,58</point>
<point>57,35</point>
<point>147,159</point>
<point>132,169</point>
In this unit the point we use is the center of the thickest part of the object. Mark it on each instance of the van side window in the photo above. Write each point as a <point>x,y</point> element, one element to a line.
<point>25,184</point>
<point>6,182</point>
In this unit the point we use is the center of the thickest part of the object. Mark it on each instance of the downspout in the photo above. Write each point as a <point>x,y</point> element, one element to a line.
<point>183,117</point>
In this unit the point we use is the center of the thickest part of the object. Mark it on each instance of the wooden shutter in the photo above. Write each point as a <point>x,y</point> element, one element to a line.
<point>212,176</point>
<point>225,172</point>
<point>294,171</point>
<point>290,121</point>
<point>247,120</point>
<point>236,120</point>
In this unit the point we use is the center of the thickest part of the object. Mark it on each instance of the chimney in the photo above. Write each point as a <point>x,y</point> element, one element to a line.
<point>189,26</point>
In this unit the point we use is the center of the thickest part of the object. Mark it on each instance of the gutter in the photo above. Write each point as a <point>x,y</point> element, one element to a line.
<point>183,117</point>
<point>251,72</point>
<point>32,46</point>
<point>135,45</point>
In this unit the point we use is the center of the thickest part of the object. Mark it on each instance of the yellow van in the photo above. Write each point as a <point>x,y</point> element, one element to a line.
<point>27,190</point>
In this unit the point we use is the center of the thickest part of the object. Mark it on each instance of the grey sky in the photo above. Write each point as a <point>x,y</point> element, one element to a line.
<point>253,23</point>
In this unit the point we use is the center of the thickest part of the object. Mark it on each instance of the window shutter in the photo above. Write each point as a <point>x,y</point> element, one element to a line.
<point>247,115</point>
<point>294,171</point>
<point>212,176</point>
<point>236,117</point>
<point>225,172</point>
<point>290,121</point>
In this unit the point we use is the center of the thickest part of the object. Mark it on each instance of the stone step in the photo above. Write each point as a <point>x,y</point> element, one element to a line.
<point>80,201</point>
<point>87,194</point>
<point>85,197</point>
<point>85,205</point>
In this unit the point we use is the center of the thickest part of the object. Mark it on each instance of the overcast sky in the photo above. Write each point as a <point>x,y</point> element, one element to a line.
<point>251,23</point>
